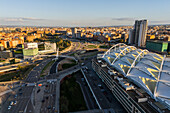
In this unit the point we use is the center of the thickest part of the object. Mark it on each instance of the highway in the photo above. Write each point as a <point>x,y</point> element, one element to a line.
<point>52,90</point>
<point>48,102</point>
<point>34,75</point>
<point>53,68</point>
<point>24,93</point>
<point>11,67</point>
<point>89,99</point>
<point>102,93</point>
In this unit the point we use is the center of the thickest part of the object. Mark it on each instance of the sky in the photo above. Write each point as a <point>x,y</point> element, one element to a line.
<point>83,13</point>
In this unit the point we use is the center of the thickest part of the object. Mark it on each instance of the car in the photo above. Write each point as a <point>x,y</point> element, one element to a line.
<point>86,68</point>
<point>38,90</point>
<point>11,103</point>
<point>99,85</point>
<point>9,107</point>
<point>53,108</point>
<point>46,91</point>
<point>49,107</point>
<point>46,97</point>
<point>20,89</point>
<point>15,102</point>
<point>82,79</point>
<point>82,64</point>
<point>24,85</point>
<point>20,93</point>
<point>15,96</point>
<point>43,101</point>
<point>102,90</point>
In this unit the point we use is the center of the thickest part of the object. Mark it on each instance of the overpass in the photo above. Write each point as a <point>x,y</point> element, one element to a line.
<point>15,66</point>
<point>57,77</point>
<point>55,56</point>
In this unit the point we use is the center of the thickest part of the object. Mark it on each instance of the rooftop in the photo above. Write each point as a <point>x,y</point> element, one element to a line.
<point>149,71</point>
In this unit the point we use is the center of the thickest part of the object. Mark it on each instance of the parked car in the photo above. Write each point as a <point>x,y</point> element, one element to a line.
<point>9,107</point>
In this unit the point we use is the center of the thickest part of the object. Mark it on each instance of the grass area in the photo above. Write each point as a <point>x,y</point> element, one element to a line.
<point>71,99</point>
<point>2,60</point>
<point>17,75</point>
<point>92,46</point>
<point>104,47</point>
<point>48,65</point>
<point>72,54</point>
<point>89,55</point>
<point>68,65</point>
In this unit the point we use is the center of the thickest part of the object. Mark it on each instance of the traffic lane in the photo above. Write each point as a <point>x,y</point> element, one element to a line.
<point>90,99</point>
<point>6,103</point>
<point>19,107</point>
<point>19,100</point>
<point>61,74</point>
<point>30,108</point>
<point>23,98</point>
<point>101,99</point>
<point>99,94</point>
<point>36,71</point>
<point>27,92</point>
<point>52,97</point>
<point>50,93</point>
<point>53,68</point>
<point>113,103</point>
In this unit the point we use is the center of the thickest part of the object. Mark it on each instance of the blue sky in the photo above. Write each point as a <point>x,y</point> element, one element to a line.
<point>83,12</point>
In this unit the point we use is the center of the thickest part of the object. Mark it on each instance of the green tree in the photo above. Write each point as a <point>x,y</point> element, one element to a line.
<point>64,104</point>
<point>19,67</point>
<point>12,61</point>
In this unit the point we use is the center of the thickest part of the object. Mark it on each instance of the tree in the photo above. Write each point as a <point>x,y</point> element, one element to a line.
<point>12,61</point>
<point>19,67</point>
<point>64,104</point>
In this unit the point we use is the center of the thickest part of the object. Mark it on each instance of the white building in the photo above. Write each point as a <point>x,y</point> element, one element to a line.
<point>30,45</point>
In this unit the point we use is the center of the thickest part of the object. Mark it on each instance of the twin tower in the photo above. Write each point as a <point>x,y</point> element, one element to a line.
<point>137,35</point>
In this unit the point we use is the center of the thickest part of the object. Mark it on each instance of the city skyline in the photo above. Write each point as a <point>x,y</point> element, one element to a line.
<point>74,13</point>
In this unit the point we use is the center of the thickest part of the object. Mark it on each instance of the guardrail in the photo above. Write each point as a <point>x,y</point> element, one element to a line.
<point>91,90</point>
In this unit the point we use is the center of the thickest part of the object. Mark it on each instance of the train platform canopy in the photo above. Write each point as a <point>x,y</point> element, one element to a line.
<point>149,71</point>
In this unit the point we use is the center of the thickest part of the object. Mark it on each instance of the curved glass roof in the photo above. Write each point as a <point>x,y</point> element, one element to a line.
<point>150,71</point>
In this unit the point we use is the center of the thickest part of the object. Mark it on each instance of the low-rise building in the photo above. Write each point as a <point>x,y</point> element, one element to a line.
<point>29,53</point>
<point>158,46</point>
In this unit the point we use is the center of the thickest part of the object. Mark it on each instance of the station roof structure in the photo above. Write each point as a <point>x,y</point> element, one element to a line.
<point>149,71</point>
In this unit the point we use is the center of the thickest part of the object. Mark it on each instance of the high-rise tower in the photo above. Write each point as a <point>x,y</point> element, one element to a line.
<point>74,32</point>
<point>137,36</point>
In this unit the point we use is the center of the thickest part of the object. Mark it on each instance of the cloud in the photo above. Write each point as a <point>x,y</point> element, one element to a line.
<point>160,21</point>
<point>123,19</point>
<point>20,19</point>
